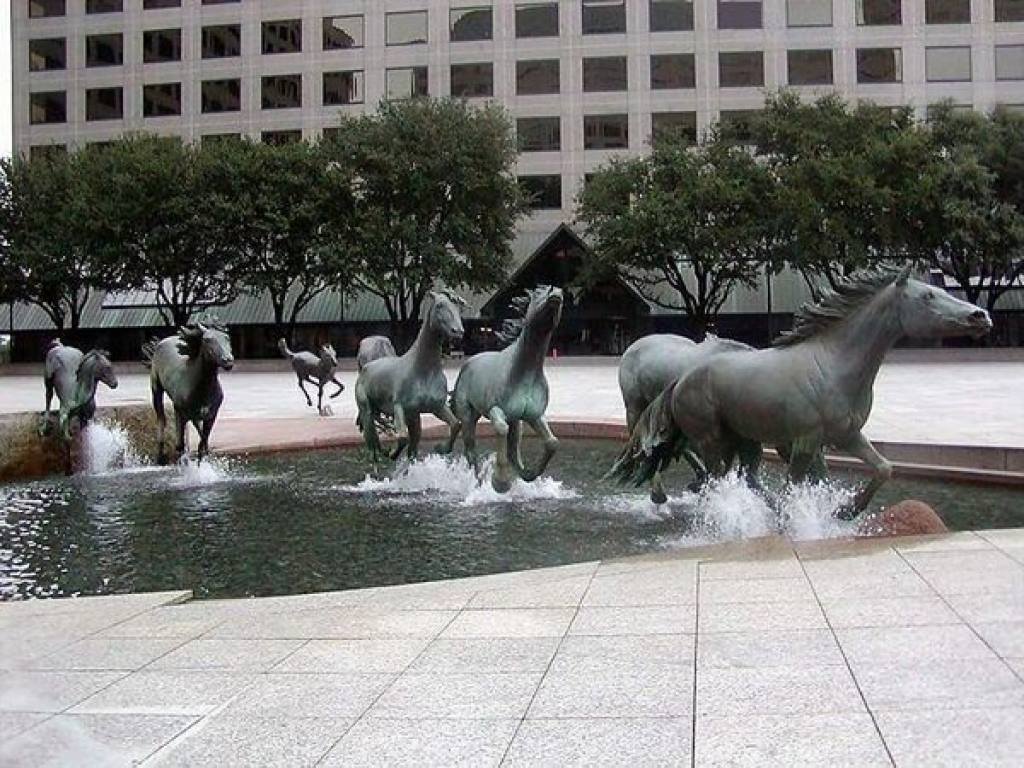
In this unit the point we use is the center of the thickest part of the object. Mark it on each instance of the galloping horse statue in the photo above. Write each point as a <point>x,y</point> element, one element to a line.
<point>74,377</point>
<point>811,390</point>
<point>186,367</point>
<point>402,388</point>
<point>318,370</point>
<point>509,387</point>
<point>373,348</point>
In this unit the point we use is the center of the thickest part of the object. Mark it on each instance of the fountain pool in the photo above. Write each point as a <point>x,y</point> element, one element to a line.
<point>305,522</point>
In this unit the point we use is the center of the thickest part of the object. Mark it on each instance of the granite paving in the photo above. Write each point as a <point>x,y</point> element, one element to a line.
<point>904,651</point>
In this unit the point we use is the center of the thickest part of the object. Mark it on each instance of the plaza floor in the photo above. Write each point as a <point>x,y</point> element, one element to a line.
<point>875,652</point>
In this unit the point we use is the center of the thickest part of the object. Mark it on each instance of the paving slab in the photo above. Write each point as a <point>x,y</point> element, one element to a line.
<point>960,738</point>
<point>777,690</point>
<point>50,691</point>
<point>372,655</point>
<point>796,649</point>
<point>168,693</point>
<point>586,742</point>
<point>638,690</point>
<point>486,655</point>
<point>510,622</point>
<point>888,612</point>
<point>634,620</point>
<point>417,695</point>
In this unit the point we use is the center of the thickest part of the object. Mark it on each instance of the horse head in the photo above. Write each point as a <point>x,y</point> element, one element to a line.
<point>96,364</point>
<point>928,312</point>
<point>211,343</point>
<point>544,309</point>
<point>328,356</point>
<point>445,317</point>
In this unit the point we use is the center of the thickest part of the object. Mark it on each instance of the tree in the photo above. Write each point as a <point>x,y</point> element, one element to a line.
<point>697,220</point>
<point>174,221</point>
<point>10,273</point>
<point>435,200</point>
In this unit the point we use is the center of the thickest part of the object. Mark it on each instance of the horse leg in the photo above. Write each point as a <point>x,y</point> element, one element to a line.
<point>401,432</point>
<point>320,399</point>
<point>44,427</point>
<point>302,386</point>
<point>502,479</point>
<point>513,447</point>
<point>468,428</point>
<point>415,431</point>
<point>204,432</point>
<point>444,413</point>
<point>367,423</point>
<point>860,447</point>
<point>334,380</point>
<point>540,426</point>
<point>180,425</point>
<point>161,422</point>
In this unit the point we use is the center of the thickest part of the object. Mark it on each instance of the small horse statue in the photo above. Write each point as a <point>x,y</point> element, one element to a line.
<point>509,387</point>
<point>402,388</point>
<point>811,390</point>
<point>186,367</point>
<point>373,348</point>
<point>318,370</point>
<point>74,377</point>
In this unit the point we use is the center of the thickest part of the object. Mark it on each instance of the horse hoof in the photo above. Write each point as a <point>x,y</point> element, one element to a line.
<point>658,497</point>
<point>501,485</point>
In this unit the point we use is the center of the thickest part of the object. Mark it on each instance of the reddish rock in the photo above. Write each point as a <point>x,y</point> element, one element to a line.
<point>906,518</point>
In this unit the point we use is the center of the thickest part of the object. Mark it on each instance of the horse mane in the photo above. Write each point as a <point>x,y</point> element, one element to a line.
<point>91,356</point>
<point>836,304</point>
<point>512,328</point>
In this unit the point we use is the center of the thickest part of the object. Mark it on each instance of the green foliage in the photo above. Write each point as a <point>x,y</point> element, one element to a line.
<point>697,220</point>
<point>434,199</point>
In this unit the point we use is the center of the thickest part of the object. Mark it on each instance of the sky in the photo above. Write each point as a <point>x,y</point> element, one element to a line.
<point>5,79</point>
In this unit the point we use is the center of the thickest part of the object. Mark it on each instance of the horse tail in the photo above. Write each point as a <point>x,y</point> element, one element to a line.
<point>282,345</point>
<point>653,444</point>
<point>148,350</point>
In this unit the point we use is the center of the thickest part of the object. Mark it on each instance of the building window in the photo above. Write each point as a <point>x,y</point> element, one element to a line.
<point>104,103</point>
<point>605,73</point>
<point>809,13</point>
<point>343,32</point>
<point>40,9</point>
<point>739,14</point>
<point>604,17</point>
<point>281,92</point>
<point>947,64</point>
<point>947,12</point>
<point>537,77</point>
<point>879,13</point>
<point>737,125</point>
<point>222,95</point>
<point>343,88</point>
<point>668,124</point>
<point>47,107</point>
<point>537,20</point>
<point>673,70</point>
<point>280,138</point>
<point>282,36</point>
<point>956,109</point>
<point>220,2</point>
<point>406,28</point>
<point>741,69</point>
<point>104,50</point>
<point>161,100</point>
<point>1009,10</point>
<point>1010,62</point>
<point>466,24</point>
<point>48,53</point>
<point>671,15</point>
<point>222,41</point>
<point>47,151</point>
<point>879,65</point>
<point>472,80</point>
<point>159,45</point>
<point>810,67</point>
<point>103,6</point>
<point>216,138</point>
<point>407,82</point>
<point>542,192</point>
<point>606,132</point>
<point>150,5</point>
<point>539,134</point>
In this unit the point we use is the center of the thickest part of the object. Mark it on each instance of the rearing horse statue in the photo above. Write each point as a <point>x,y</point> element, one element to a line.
<point>74,376</point>
<point>509,387</point>
<point>186,367</point>
<point>404,387</point>
<point>812,390</point>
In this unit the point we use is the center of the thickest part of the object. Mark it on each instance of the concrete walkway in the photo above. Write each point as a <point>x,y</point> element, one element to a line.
<point>874,652</point>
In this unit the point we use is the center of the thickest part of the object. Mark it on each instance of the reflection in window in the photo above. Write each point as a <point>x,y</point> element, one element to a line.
<point>48,53</point>
<point>104,103</point>
<point>406,82</point>
<point>466,24</point>
<point>947,64</point>
<point>104,50</point>
<point>537,20</point>
<point>47,107</point>
<point>282,36</point>
<point>809,67</point>
<point>671,15</point>
<point>874,13</point>
<point>222,41</point>
<point>606,132</point>
<point>542,192</point>
<point>879,65</point>
<point>605,73</point>
<point>150,5</point>
<point>737,125</point>
<point>343,88</point>
<point>809,13</point>
<point>604,17</point>
<point>406,28</point>
<point>1009,10</point>
<point>539,134</point>
<point>739,14</point>
<point>741,69</point>
<point>472,80</point>
<point>1010,62</point>
<point>536,77</point>
<point>161,100</point>
<point>159,45</point>
<point>669,124</point>
<point>281,92</point>
<point>47,151</point>
<point>673,70</point>
<point>343,32</point>
<point>222,95</point>
<point>947,12</point>
<point>103,6</point>
<point>280,138</point>
<point>39,9</point>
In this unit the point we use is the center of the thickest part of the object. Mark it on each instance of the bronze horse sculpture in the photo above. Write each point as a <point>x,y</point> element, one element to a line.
<point>811,390</point>
<point>186,367</point>
<point>74,377</point>
<point>509,388</point>
<point>400,389</point>
<point>373,348</point>
<point>318,370</point>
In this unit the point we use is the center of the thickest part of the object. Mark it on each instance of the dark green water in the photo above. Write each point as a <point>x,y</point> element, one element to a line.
<point>306,522</point>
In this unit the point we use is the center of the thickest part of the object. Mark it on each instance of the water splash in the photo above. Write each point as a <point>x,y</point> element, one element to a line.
<point>210,471</point>
<point>452,479</point>
<point>107,447</point>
